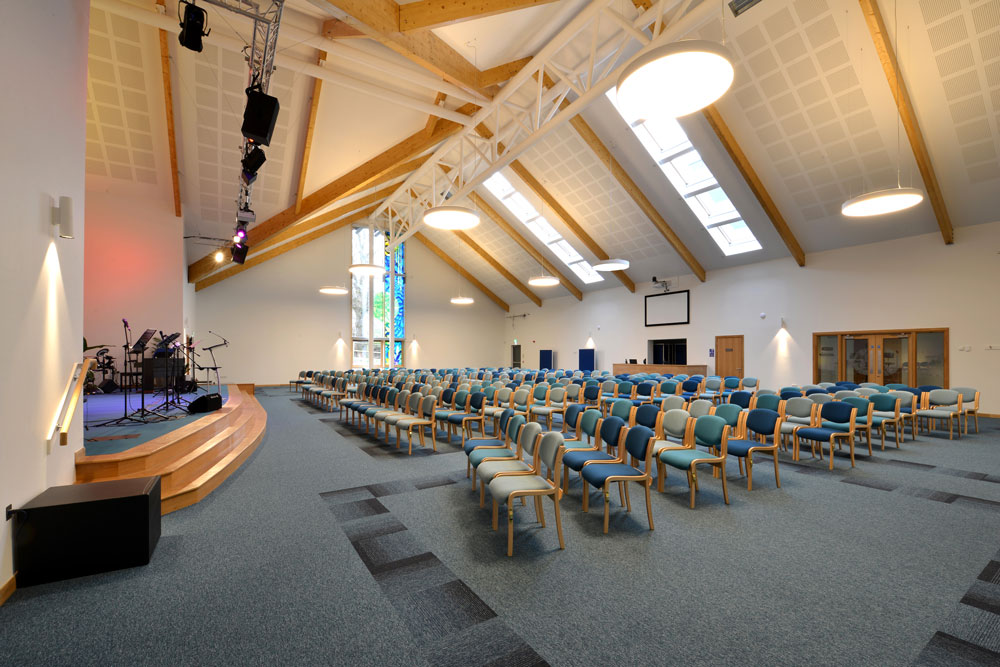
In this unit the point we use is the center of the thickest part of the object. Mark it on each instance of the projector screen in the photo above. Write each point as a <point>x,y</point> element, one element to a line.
<point>670,308</point>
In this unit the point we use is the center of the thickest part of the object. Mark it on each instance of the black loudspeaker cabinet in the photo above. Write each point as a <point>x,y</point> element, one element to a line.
<point>109,386</point>
<point>81,529</point>
<point>206,403</point>
<point>259,117</point>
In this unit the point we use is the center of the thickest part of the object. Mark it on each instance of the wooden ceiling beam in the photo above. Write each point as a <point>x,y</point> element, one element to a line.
<point>742,163</point>
<point>168,103</point>
<point>255,257</point>
<point>525,244</point>
<point>500,268</point>
<point>461,271</point>
<point>890,65</point>
<point>379,19</point>
<point>337,29</point>
<point>502,73</point>
<point>427,14</point>
<point>310,129</point>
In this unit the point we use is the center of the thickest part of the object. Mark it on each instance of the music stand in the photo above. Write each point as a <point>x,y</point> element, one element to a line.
<point>140,349</point>
<point>126,418</point>
<point>165,347</point>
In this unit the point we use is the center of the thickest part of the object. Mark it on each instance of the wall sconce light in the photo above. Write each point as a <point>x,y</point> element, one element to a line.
<point>62,217</point>
<point>783,325</point>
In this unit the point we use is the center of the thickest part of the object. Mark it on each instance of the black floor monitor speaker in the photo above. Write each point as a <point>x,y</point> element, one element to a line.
<point>206,403</point>
<point>108,386</point>
<point>259,116</point>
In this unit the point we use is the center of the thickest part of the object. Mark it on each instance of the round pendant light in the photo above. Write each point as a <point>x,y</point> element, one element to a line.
<point>451,218</point>
<point>612,265</point>
<point>881,202</point>
<point>333,290</point>
<point>543,281</point>
<point>462,300</point>
<point>366,269</point>
<point>675,80</point>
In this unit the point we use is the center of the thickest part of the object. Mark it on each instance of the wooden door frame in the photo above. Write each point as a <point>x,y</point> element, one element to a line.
<point>912,352</point>
<point>742,353</point>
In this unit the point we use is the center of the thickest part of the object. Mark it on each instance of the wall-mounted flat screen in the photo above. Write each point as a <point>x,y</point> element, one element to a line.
<point>669,308</point>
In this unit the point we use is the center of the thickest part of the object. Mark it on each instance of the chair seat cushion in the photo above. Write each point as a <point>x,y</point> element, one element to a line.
<point>501,487</point>
<point>820,434</point>
<point>742,447</point>
<point>937,413</point>
<point>384,416</point>
<point>481,442</point>
<point>885,415</point>
<point>443,414</point>
<point>476,456</point>
<point>410,420</point>
<point>457,417</point>
<point>836,426</point>
<point>575,460</point>
<point>487,471</point>
<point>682,458</point>
<point>597,473</point>
<point>543,409</point>
<point>394,418</point>
<point>798,420</point>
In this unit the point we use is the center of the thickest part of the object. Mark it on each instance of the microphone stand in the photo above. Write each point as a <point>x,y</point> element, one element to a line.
<point>125,418</point>
<point>215,365</point>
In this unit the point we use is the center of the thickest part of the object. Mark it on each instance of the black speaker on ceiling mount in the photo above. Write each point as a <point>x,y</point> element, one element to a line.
<point>259,116</point>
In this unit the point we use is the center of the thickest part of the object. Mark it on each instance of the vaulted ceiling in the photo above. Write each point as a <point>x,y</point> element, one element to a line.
<point>811,114</point>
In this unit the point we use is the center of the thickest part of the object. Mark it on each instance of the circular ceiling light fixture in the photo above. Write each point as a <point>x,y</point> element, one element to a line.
<point>462,300</point>
<point>451,218</point>
<point>881,202</point>
<point>366,269</point>
<point>675,79</point>
<point>612,265</point>
<point>543,281</point>
<point>338,290</point>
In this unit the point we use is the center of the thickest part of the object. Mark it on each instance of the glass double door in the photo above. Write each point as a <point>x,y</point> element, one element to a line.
<point>879,358</point>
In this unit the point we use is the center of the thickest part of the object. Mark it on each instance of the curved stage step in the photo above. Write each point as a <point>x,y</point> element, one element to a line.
<point>191,460</point>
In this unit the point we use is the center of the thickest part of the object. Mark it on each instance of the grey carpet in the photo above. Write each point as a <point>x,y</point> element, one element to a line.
<point>302,558</point>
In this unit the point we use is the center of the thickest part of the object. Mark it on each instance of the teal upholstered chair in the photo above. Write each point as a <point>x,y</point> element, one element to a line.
<point>637,446</point>
<point>610,432</point>
<point>506,487</point>
<point>835,412</point>
<point>941,405</point>
<point>765,401</point>
<point>510,425</point>
<point>474,414</point>
<point>885,413</point>
<point>758,425</point>
<point>709,429</point>
<point>865,420</point>
<point>555,403</point>
<point>621,408</point>
<point>731,413</point>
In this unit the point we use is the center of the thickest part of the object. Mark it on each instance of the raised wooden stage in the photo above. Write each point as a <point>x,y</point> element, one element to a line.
<point>191,460</point>
<point>620,369</point>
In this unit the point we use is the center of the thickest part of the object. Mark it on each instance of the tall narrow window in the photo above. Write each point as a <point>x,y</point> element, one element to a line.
<point>378,304</point>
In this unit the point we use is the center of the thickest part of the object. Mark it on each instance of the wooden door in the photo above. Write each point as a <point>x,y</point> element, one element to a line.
<point>729,356</point>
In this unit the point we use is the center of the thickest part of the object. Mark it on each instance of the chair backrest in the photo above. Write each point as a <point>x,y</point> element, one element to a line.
<point>817,390</point>
<point>668,387</point>
<point>608,387</point>
<point>402,399</point>
<point>729,412</point>
<point>906,398</point>
<point>539,392</point>
<point>673,402</point>
<point>799,407</point>
<point>821,398</point>
<point>763,422</point>
<point>427,405</point>
<point>690,385</point>
<point>638,442</point>
<point>448,397</point>
<point>646,415</point>
<point>749,383</point>
<point>514,425</point>
<point>591,392</point>
<point>791,387</point>
<point>572,415</point>
<point>550,450</point>
<point>785,395</point>
<point>645,389</point>
<point>845,393</point>
<point>970,396</point>
<point>413,403</point>
<point>731,383</point>
<point>766,401</point>
<point>943,397</point>
<point>477,400</point>
<point>589,421</point>
<point>713,384</point>
<point>674,422</point>
<point>504,418</point>
<point>557,396</point>
<point>502,397</point>
<point>894,386</point>
<point>622,408</point>
<point>572,392</point>
<point>885,402</point>
<point>712,431</point>
<point>839,412</point>
<point>612,429</point>
<point>741,398</point>
<point>436,391</point>
<point>529,434</point>
<point>766,392</point>
<point>699,407</point>
<point>624,388</point>
<point>863,405</point>
<point>391,396</point>
<point>520,398</point>
<point>462,399</point>
<point>866,391</point>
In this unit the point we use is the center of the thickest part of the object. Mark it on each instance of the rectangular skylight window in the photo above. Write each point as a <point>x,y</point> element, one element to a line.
<point>529,216</point>
<point>668,144</point>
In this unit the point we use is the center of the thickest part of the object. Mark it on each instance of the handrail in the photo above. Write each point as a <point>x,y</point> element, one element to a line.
<point>74,388</point>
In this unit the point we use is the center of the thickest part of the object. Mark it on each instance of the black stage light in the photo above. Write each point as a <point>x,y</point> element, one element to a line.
<point>251,163</point>
<point>192,25</point>
<point>239,252</point>
<point>259,116</point>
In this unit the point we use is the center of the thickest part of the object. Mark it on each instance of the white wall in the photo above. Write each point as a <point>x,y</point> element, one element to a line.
<point>133,251</point>
<point>913,282</point>
<point>41,276</point>
<point>278,323</point>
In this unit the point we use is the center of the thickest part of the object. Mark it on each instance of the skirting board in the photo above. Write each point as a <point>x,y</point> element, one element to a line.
<point>986,414</point>
<point>8,589</point>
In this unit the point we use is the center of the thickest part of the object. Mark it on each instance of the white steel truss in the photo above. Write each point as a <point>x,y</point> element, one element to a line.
<point>524,110</point>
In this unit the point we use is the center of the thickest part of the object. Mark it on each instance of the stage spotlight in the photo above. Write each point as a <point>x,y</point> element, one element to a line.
<point>251,163</point>
<point>192,25</point>
<point>246,215</point>
<point>219,257</point>
<point>239,252</point>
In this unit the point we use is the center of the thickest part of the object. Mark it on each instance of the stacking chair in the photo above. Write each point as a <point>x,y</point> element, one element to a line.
<point>669,387</point>
<point>708,429</point>
<point>520,400</point>
<point>765,392</point>
<point>712,390</point>
<point>673,402</point>
<point>741,398</point>
<point>294,385</point>
<point>821,398</point>
<point>638,446</point>
<point>730,384</point>
<point>673,430</point>
<point>519,431</point>
<point>699,407</point>
<point>792,389</point>
<point>501,401</point>
<point>359,391</point>
<point>834,412</point>
<point>646,415</point>
<point>815,390</point>
<point>731,413</point>
<point>510,423</point>
<point>690,389</point>
<point>864,420</point>
<point>608,389</point>
<point>506,488</point>
<point>785,395</point>
<point>389,418</point>
<point>796,412</point>
<point>758,426</point>
<point>907,409</point>
<point>421,420</point>
<point>610,433</point>
<point>524,464</point>
<point>592,394</point>
<point>555,403</point>
<point>621,407</point>
<point>970,405</point>
<point>644,392</point>
<point>941,405</point>
<point>749,384</point>
<point>571,418</point>
<point>765,401</point>
<point>885,411</point>
<point>465,420</point>
<point>390,404</point>
<point>866,392</point>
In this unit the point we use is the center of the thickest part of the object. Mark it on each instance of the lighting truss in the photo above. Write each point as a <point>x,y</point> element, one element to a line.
<point>266,18</point>
<point>583,59</point>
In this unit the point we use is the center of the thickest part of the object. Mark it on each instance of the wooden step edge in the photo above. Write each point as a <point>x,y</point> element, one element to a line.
<point>233,403</point>
<point>242,421</point>
<point>182,472</point>
<point>212,478</point>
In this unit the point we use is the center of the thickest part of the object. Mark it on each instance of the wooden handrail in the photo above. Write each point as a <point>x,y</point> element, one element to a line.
<point>74,388</point>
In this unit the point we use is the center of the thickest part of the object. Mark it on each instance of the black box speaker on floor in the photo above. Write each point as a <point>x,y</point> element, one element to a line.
<point>259,116</point>
<point>206,403</point>
<point>109,386</point>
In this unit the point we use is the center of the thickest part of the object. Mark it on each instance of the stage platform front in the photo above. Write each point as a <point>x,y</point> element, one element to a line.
<point>192,454</point>
<point>629,369</point>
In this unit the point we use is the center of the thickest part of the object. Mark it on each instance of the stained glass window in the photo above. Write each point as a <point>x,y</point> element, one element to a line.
<point>378,304</point>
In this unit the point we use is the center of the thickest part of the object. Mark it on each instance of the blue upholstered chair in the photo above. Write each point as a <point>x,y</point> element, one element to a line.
<point>646,415</point>
<point>765,401</point>
<point>834,412</point>
<point>611,431</point>
<point>885,413</point>
<point>708,429</point>
<point>758,426</point>
<point>518,431</point>
<point>638,446</point>
<point>785,395</point>
<point>741,398</point>
<point>592,394</point>
<point>690,389</point>
<point>473,415</point>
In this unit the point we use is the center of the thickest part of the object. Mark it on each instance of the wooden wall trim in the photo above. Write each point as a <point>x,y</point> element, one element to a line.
<point>8,589</point>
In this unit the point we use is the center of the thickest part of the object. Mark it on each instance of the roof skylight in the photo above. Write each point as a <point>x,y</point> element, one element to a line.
<point>522,209</point>
<point>668,144</point>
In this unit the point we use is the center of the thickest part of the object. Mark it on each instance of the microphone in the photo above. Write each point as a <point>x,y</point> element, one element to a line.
<point>125,322</point>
